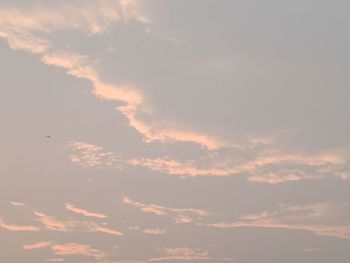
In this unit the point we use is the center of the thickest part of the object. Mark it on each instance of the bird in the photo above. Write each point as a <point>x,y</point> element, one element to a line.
<point>48,136</point>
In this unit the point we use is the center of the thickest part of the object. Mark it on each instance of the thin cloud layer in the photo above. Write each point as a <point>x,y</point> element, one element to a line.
<point>199,63</point>
<point>259,166</point>
<point>317,218</point>
<point>181,253</point>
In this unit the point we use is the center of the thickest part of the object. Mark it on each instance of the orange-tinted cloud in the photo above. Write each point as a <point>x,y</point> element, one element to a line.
<point>18,228</point>
<point>84,212</point>
<point>181,253</point>
<point>181,215</point>
<point>54,224</point>
<point>19,28</point>
<point>72,249</point>
<point>38,245</point>
<point>93,227</point>
<point>252,167</point>
<point>317,218</point>
<point>90,155</point>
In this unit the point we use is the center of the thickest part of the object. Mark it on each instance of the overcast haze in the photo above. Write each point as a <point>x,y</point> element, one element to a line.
<point>175,131</point>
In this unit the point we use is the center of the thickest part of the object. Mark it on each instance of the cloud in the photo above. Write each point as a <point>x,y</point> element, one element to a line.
<point>181,253</point>
<point>318,219</point>
<point>93,227</point>
<point>90,155</point>
<point>38,245</point>
<point>71,249</point>
<point>17,204</point>
<point>54,224</point>
<point>123,261</point>
<point>264,165</point>
<point>227,168</point>
<point>154,231</point>
<point>18,228</point>
<point>30,30</point>
<point>84,212</point>
<point>176,213</point>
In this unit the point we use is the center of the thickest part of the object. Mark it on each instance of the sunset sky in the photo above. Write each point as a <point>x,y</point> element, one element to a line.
<point>139,131</point>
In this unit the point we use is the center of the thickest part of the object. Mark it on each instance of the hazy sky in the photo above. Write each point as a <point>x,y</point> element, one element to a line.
<point>175,131</point>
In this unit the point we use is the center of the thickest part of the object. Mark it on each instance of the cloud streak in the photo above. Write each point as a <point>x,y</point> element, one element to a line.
<point>39,245</point>
<point>17,228</point>
<point>181,253</point>
<point>265,166</point>
<point>154,231</point>
<point>84,212</point>
<point>181,215</point>
<point>316,218</point>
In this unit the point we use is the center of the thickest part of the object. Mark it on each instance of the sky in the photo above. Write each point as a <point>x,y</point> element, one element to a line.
<point>138,131</point>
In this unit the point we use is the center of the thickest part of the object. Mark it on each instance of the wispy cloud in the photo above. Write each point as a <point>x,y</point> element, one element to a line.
<point>84,212</point>
<point>38,245</point>
<point>18,228</point>
<point>181,253</point>
<point>250,167</point>
<point>72,249</point>
<point>176,213</point>
<point>317,218</point>
<point>90,155</point>
<point>54,224</point>
<point>23,30</point>
<point>264,166</point>
<point>154,231</point>
<point>17,204</point>
<point>93,227</point>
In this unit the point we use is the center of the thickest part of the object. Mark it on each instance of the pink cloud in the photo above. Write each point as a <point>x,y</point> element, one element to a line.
<point>54,224</point>
<point>226,169</point>
<point>181,253</point>
<point>38,245</point>
<point>84,212</point>
<point>71,249</point>
<point>93,227</point>
<point>19,30</point>
<point>317,218</point>
<point>18,228</point>
<point>181,215</point>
